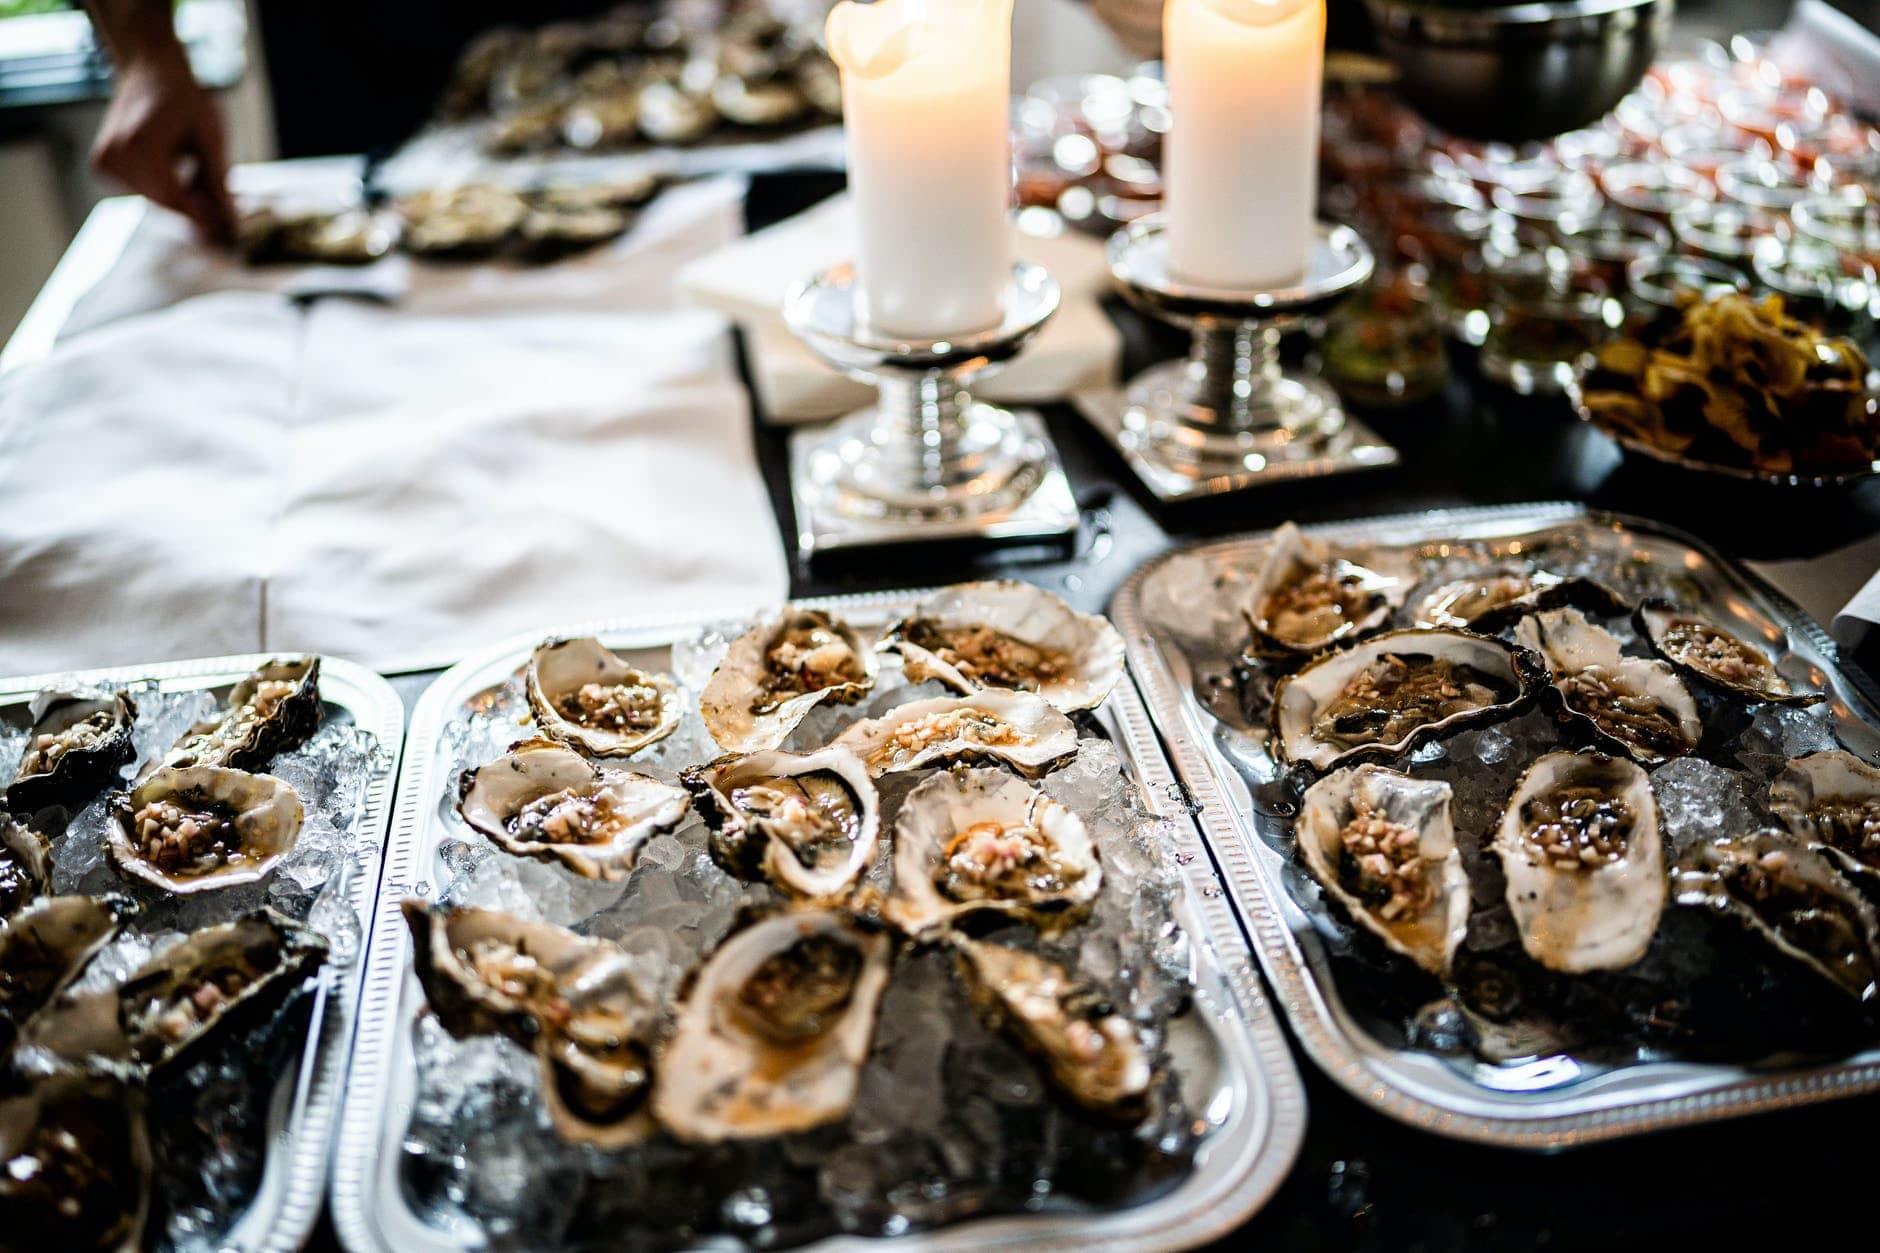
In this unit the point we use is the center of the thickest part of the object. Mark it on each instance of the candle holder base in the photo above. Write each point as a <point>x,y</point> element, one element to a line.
<point>926,461</point>
<point>1228,416</point>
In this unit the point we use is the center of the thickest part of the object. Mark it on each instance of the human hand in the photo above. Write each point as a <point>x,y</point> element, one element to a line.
<point>162,138</point>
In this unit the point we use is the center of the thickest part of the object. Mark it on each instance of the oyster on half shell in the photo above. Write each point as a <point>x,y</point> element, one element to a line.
<point>776,672</point>
<point>1789,894</point>
<point>75,1164</point>
<point>78,742</point>
<point>43,948</point>
<point>25,865</point>
<point>1630,705</point>
<point>807,822</point>
<point>270,711</point>
<point>1009,635</point>
<point>1092,1053</point>
<point>544,800</point>
<point>984,841</point>
<point>1833,799</point>
<point>1705,651</point>
<point>1384,845</point>
<point>189,829</point>
<point>1307,594</point>
<point>1021,730</point>
<point>1384,695</point>
<point>772,1037</point>
<point>574,1000</point>
<point>584,695</point>
<point>1580,845</point>
<point>1497,598</point>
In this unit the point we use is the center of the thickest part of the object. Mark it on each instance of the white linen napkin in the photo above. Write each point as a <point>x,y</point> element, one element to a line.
<point>1079,347</point>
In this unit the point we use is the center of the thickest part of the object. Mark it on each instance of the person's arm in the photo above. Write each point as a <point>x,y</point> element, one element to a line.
<point>162,135</point>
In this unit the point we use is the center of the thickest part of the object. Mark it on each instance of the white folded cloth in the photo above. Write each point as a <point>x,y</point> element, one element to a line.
<point>239,472</point>
<point>1079,347</point>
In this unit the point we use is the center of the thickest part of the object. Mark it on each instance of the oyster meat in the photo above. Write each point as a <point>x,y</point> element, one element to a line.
<point>78,743</point>
<point>1498,598</point>
<point>1016,728</point>
<point>1833,799</point>
<point>1009,635</point>
<point>983,841</point>
<point>807,822</point>
<point>190,829</point>
<point>574,1000</point>
<point>1092,1053</point>
<point>217,980</point>
<point>1790,895</point>
<point>584,695</point>
<point>546,801</point>
<point>1384,845</point>
<point>1307,594</point>
<point>1579,843</point>
<point>1637,707</point>
<point>772,1037</point>
<point>776,672</point>
<point>271,711</point>
<point>25,866</point>
<point>1709,653</point>
<point>1384,695</point>
<point>75,1164</point>
<point>43,948</point>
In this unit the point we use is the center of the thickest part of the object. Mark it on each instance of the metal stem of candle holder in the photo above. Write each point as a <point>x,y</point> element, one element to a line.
<point>926,461</point>
<point>1228,415</point>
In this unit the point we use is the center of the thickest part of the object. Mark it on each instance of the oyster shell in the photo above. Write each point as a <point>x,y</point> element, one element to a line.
<point>189,829</point>
<point>1495,599</point>
<point>1307,595</point>
<point>776,672</point>
<point>546,801</point>
<point>25,866</point>
<point>584,695</point>
<point>476,218</point>
<point>1009,635</point>
<point>773,1034</point>
<point>1833,799</point>
<point>575,1000</point>
<point>270,711</point>
<point>1384,845</point>
<point>1382,696</point>
<point>1579,843</point>
<point>1707,652</point>
<point>160,1017</point>
<point>758,102</point>
<point>807,822</point>
<point>43,948</point>
<point>1637,707</point>
<point>669,114</point>
<point>1021,730</point>
<point>1791,895</point>
<point>1093,1054</point>
<point>77,1164</point>
<point>983,841</point>
<point>78,742</point>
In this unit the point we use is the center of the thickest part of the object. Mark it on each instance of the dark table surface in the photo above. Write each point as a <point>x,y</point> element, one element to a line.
<point>1362,1181</point>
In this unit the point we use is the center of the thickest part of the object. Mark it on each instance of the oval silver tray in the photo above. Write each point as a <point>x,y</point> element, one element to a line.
<point>1420,1088</point>
<point>303,1113</point>
<point>1257,1107</point>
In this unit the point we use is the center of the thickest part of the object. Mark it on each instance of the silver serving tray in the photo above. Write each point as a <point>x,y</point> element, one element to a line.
<point>1257,1110</point>
<point>1415,1087</point>
<point>303,1111</point>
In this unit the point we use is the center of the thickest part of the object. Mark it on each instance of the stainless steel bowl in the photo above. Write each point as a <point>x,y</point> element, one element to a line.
<point>1524,71</point>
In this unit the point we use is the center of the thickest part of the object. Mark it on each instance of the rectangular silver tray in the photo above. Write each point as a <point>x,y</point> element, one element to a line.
<point>1258,1111</point>
<point>1414,1087</point>
<point>303,1112</point>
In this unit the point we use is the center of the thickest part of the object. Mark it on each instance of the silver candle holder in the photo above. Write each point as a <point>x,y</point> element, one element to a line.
<point>1228,416</point>
<point>926,461</point>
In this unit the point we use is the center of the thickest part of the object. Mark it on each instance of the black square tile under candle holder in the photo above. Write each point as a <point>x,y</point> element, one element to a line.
<point>926,461</point>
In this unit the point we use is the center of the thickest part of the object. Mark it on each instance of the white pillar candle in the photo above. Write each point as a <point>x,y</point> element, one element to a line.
<point>1240,163</point>
<point>926,91</point>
